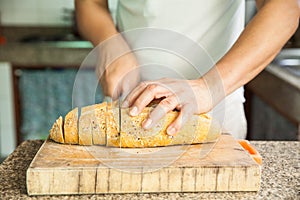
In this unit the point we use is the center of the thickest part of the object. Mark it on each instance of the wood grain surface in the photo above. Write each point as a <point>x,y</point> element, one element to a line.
<point>73,169</point>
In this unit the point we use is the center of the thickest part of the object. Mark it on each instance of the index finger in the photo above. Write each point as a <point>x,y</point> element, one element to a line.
<point>132,96</point>
<point>143,99</point>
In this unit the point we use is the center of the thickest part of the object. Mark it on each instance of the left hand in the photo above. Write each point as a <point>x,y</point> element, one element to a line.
<point>188,96</point>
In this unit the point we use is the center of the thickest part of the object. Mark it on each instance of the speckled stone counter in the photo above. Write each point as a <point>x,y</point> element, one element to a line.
<point>280,176</point>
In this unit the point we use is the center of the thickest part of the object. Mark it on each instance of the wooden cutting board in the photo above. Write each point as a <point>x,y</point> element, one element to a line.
<point>73,169</point>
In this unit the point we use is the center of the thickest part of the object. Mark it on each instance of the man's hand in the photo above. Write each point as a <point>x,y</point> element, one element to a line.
<point>187,96</point>
<point>117,68</point>
<point>120,77</point>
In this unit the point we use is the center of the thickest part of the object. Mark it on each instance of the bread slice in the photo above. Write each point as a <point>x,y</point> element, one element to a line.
<point>71,127</point>
<point>85,125</point>
<point>92,126</point>
<point>99,125</point>
<point>112,126</point>
<point>56,132</point>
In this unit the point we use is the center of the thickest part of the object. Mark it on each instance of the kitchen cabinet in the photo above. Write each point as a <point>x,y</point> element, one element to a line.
<point>276,104</point>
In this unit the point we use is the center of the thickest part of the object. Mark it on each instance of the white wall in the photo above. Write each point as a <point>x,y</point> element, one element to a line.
<point>34,12</point>
<point>7,115</point>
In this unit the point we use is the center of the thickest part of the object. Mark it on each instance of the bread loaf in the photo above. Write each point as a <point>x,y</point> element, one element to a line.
<point>99,125</point>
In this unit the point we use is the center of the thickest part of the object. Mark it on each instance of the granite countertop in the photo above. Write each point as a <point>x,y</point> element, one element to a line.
<point>280,176</point>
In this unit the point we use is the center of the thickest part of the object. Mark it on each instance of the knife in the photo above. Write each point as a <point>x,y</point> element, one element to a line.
<point>120,119</point>
<point>108,100</point>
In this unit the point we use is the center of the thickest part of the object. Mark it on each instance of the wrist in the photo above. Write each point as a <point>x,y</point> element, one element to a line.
<point>214,86</point>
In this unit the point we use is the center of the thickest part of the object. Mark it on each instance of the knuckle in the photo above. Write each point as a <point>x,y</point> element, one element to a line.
<point>179,107</point>
<point>169,102</point>
<point>186,114</point>
<point>157,114</point>
<point>138,102</point>
<point>143,84</point>
<point>152,88</point>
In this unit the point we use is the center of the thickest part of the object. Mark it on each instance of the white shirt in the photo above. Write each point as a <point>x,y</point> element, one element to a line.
<point>213,24</point>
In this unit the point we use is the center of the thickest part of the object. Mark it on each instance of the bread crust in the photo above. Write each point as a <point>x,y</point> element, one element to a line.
<point>56,132</point>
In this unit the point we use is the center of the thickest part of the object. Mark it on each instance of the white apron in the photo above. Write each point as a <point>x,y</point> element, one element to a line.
<point>213,24</point>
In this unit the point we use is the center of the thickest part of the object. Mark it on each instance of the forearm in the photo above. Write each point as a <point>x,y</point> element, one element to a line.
<point>259,43</point>
<point>94,20</point>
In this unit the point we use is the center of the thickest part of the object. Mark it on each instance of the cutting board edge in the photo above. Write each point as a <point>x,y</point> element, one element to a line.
<point>84,186</point>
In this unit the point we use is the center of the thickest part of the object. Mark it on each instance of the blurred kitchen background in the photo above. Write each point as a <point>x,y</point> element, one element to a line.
<point>41,51</point>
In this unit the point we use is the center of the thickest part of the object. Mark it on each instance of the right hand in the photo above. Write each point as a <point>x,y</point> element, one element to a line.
<point>117,70</point>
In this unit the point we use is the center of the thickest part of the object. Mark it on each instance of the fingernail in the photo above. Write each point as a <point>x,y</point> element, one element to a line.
<point>133,111</point>
<point>125,104</point>
<point>171,131</point>
<point>147,123</point>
